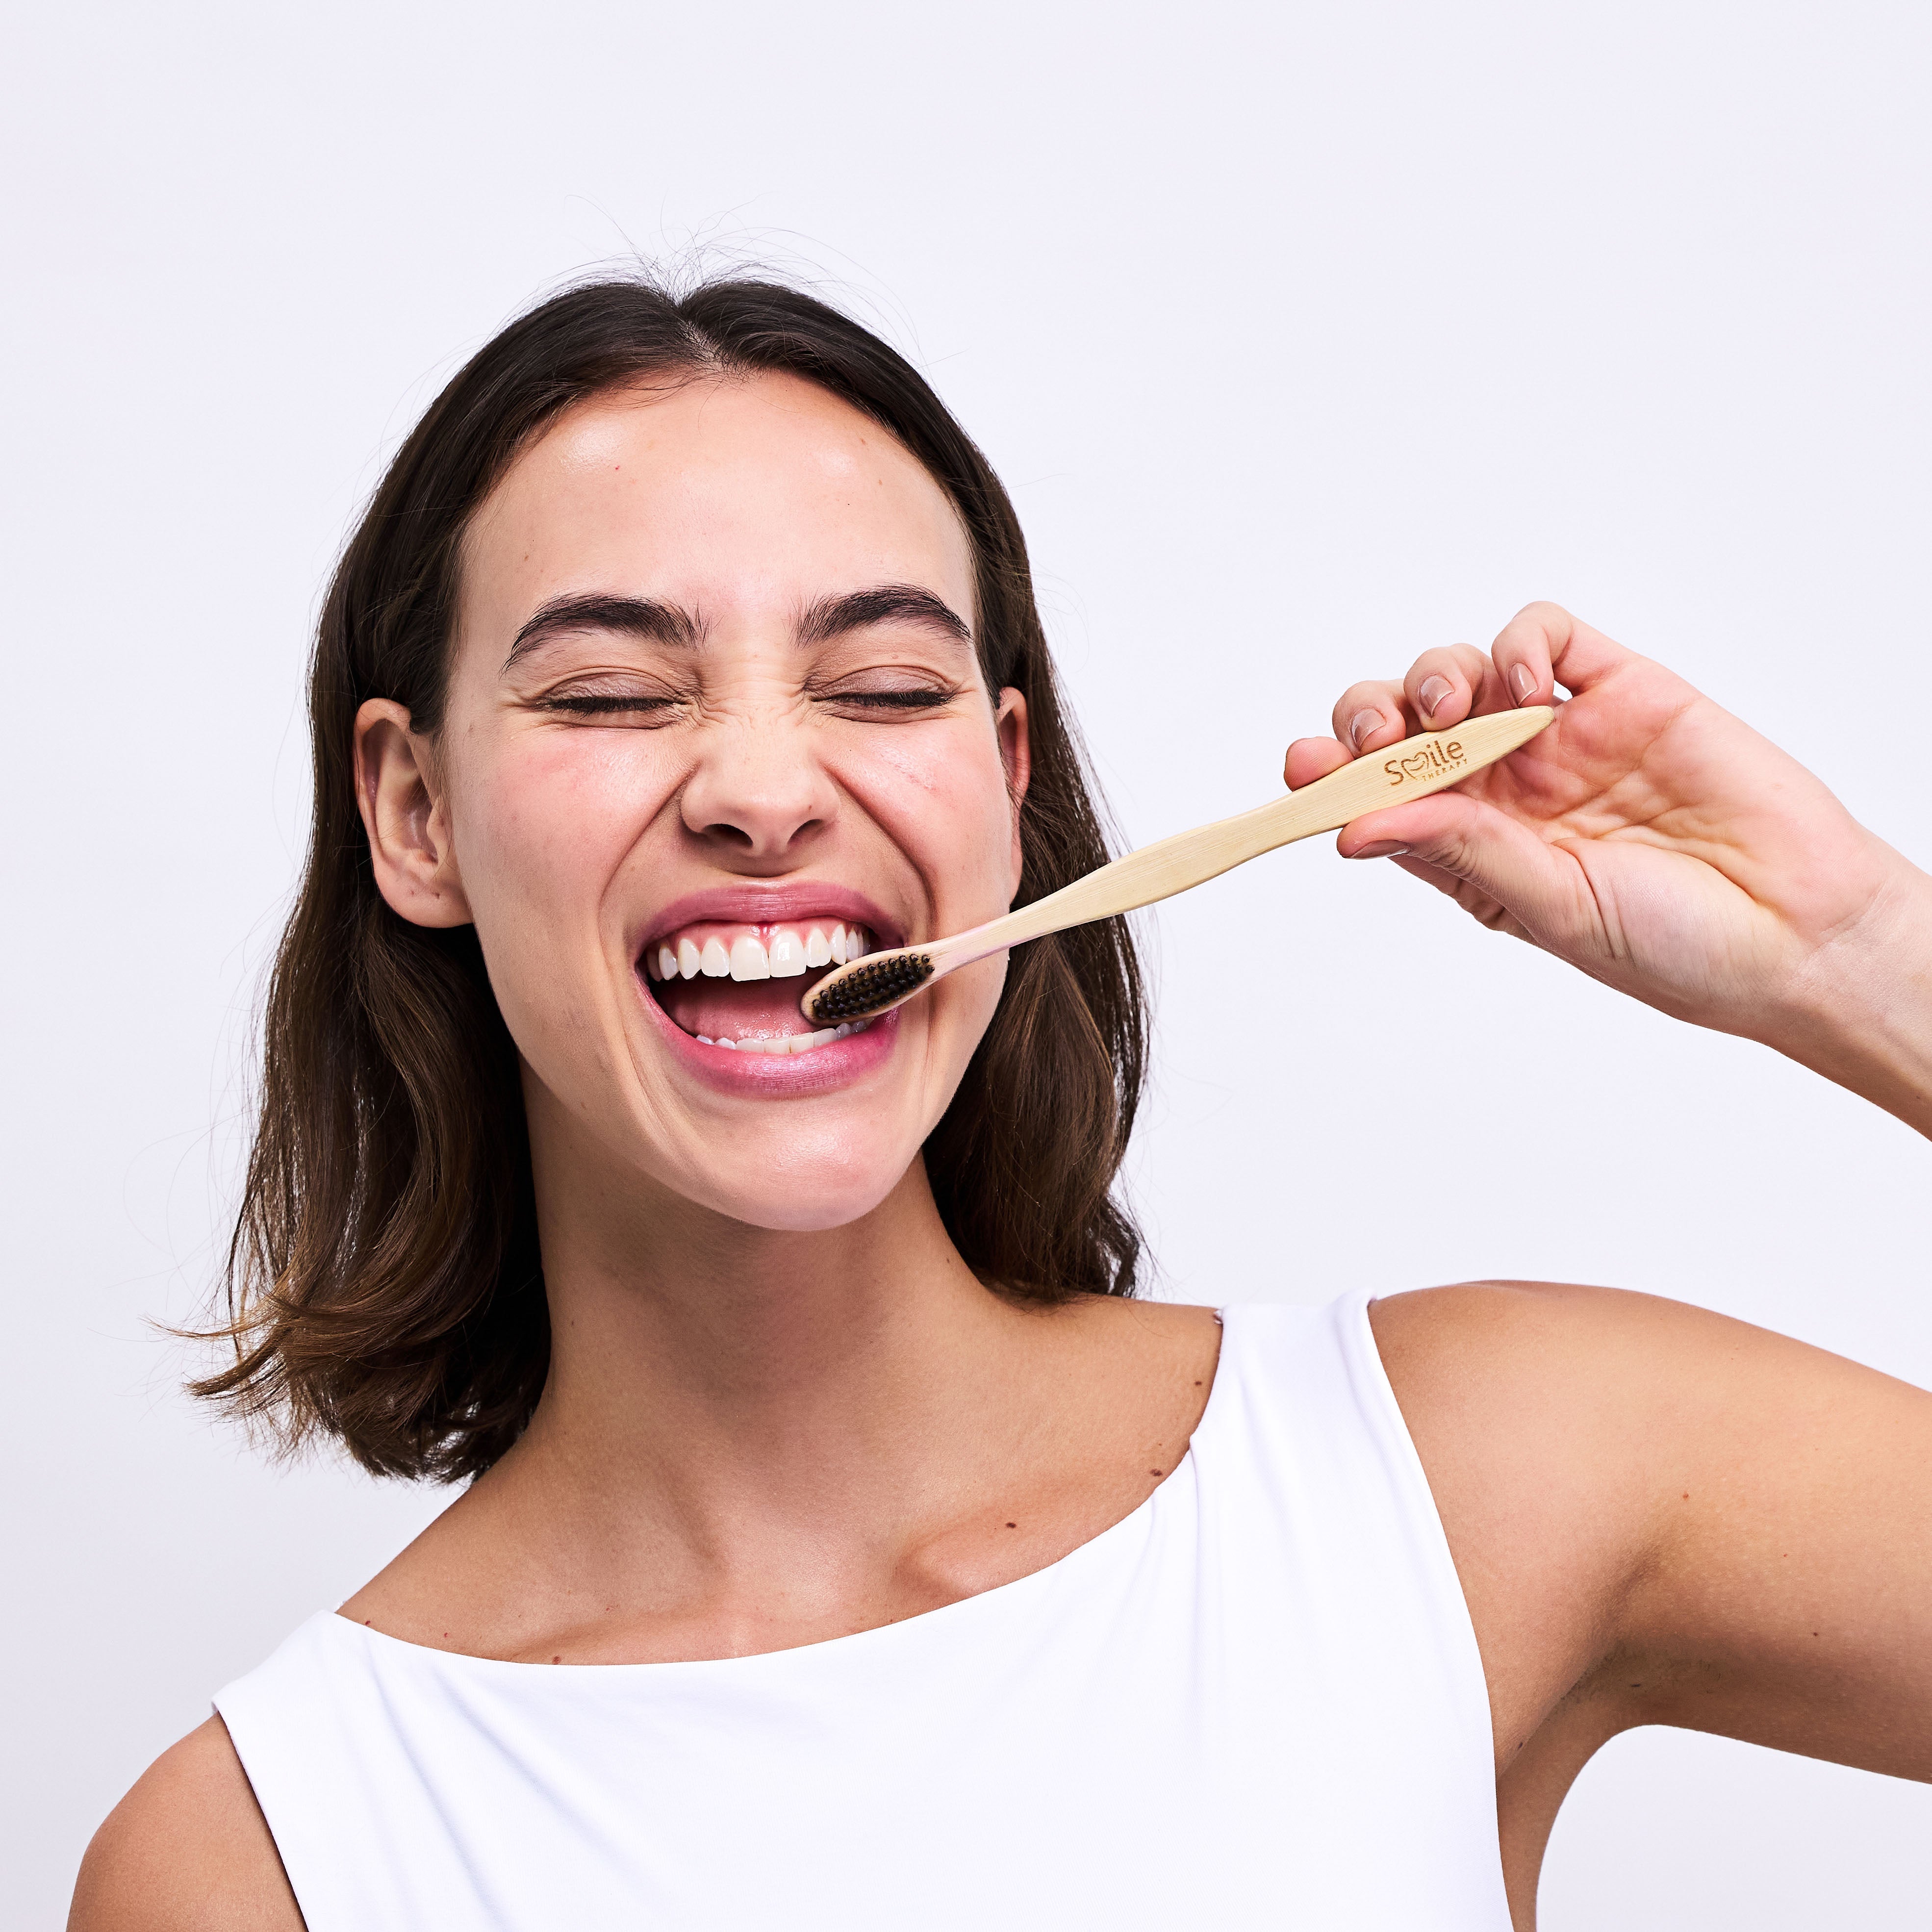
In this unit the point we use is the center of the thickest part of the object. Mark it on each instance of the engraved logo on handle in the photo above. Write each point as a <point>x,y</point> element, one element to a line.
<point>1442,756</point>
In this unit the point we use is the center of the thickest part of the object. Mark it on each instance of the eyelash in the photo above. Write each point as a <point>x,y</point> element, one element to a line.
<point>592,704</point>
<point>891,700</point>
<point>604,704</point>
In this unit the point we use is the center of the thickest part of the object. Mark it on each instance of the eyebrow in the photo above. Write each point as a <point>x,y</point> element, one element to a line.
<point>884,603</point>
<point>638,617</point>
<point>661,623</point>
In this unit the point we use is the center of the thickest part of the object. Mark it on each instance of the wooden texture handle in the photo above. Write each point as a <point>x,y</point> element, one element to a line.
<point>1414,769</point>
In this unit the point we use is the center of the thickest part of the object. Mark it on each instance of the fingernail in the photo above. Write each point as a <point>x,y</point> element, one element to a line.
<point>1522,683</point>
<point>1435,692</point>
<point>1386,848</point>
<point>1363,727</point>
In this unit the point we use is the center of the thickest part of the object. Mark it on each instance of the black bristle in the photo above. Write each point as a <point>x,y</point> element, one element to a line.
<point>872,984</point>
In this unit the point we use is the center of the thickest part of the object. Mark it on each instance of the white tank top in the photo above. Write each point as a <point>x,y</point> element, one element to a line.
<point>1256,1702</point>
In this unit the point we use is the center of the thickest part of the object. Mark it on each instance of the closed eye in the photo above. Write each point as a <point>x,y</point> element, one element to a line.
<point>890,700</point>
<point>604,703</point>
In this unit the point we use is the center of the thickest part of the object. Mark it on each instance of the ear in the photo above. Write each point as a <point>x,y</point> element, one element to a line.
<point>1010,721</point>
<point>402,812</point>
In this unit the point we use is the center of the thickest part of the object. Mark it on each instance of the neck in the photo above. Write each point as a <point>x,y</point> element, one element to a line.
<point>739,1390</point>
<point>751,1439</point>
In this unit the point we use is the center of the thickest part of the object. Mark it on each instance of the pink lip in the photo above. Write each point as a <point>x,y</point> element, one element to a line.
<point>771,1075</point>
<point>771,905</point>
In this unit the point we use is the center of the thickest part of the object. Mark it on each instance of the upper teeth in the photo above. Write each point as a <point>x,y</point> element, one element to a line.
<point>743,954</point>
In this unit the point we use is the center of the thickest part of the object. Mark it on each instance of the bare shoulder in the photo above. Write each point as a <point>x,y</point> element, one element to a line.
<point>187,1850</point>
<point>1523,1400</point>
<point>1491,1362</point>
<point>1613,1468</point>
<point>1488,1341</point>
<point>1549,1402</point>
<point>1512,1312</point>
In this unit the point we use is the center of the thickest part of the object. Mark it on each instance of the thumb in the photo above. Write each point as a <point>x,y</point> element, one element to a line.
<point>1492,865</point>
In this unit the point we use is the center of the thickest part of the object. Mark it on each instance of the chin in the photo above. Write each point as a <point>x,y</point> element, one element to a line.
<point>833,1180</point>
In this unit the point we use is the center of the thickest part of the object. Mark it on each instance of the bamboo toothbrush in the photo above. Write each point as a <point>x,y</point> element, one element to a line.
<point>1416,767</point>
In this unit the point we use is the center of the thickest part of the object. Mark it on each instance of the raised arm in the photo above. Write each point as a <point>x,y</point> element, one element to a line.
<point>1660,845</point>
<point>1663,1516</point>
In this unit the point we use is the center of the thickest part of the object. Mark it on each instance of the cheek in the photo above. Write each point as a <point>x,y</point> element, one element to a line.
<point>944,803</point>
<point>542,827</point>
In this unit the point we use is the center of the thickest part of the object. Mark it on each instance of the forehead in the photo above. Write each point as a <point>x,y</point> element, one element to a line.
<point>722,493</point>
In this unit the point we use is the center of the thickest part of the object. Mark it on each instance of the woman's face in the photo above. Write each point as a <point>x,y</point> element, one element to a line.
<point>715,719</point>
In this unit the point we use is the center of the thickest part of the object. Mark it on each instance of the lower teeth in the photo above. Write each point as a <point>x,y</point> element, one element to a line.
<point>797,1043</point>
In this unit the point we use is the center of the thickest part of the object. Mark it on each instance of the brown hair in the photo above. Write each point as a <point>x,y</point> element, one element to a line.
<point>383,1284</point>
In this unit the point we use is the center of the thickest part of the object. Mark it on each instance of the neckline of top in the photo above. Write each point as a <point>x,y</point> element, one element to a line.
<point>920,1621</point>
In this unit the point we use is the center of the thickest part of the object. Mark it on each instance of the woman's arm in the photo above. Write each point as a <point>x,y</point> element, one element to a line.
<point>1660,1516</point>
<point>1660,844</point>
<point>187,1850</point>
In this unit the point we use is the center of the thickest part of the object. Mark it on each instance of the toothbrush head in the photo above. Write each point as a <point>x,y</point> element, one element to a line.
<point>868,987</point>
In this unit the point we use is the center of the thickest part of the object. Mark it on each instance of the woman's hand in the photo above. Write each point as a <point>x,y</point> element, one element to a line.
<point>1660,844</point>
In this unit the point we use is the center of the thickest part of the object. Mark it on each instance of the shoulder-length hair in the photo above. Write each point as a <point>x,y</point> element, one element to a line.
<point>384,1285</point>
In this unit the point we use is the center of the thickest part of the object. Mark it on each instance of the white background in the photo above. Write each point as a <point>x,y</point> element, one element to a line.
<point>1306,337</point>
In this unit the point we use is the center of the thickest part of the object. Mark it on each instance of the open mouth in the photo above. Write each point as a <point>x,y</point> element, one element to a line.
<point>738,986</point>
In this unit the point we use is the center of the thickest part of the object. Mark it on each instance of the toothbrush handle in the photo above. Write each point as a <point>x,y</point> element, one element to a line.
<point>1412,769</point>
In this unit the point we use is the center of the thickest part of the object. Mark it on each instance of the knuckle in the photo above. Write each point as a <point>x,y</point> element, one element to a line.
<point>1540,619</point>
<point>1448,852</point>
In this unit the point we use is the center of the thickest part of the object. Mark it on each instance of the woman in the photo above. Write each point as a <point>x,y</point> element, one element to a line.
<point>843,1546</point>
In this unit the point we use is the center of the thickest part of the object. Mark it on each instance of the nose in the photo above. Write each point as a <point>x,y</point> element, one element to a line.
<point>757,793</point>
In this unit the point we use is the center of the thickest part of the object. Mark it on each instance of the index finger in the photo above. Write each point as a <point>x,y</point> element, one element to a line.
<point>1311,758</point>
<point>1371,714</point>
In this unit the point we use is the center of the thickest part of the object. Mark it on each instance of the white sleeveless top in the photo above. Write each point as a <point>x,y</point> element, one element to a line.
<point>1256,1702</point>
